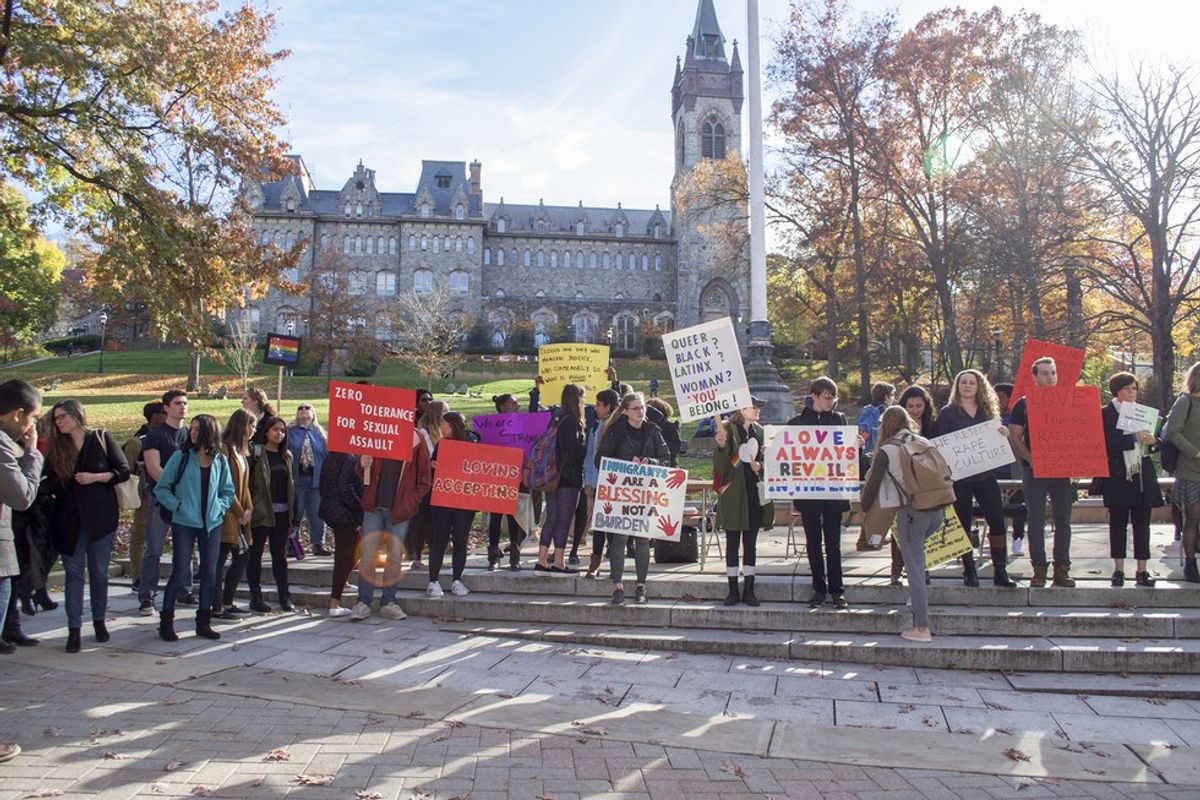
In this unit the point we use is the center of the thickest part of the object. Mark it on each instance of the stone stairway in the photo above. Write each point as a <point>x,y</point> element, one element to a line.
<point>1092,628</point>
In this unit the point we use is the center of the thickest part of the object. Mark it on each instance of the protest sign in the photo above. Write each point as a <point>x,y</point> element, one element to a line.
<point>281,350</point>
<point>1134,417</point>
<point>948,542</point>
<point>1067,360</point>
<point>975,450</point>
<point>371,420</point>
<point>639,499</point>
<point>477,477</point>
<point>812,462</point>
<point>706,368</point>
<point>1066,434</point>
<point>560,364</point>
<point>511,430</point>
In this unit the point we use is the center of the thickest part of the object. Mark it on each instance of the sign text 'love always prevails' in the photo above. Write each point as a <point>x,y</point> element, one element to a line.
<point>371,420</point>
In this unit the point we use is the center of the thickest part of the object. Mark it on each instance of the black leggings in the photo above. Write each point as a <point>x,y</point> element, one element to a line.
<point>233,576</point>
<point>581,522</point>
<point>1191,529</point>
<point>749,542</point>
<point>991,503</point>
<point>822,521</point>
<point>345,556</point>
<point>446,525</point>
<point>1119,519</point>
<point>515,536</point>
<point>277,536</point>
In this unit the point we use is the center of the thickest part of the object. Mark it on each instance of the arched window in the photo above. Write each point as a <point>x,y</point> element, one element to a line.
<point>347,208</point>
<point>437,244</point>
<point>425,210</point>
<point>658,231</point>
<point>346,244</point>
<point>356,283</point>
<point>370,245</point>
<point>487,256</point>
<point>500,294</point>
<point>606,259</point>
<point>528,257</point>
<point>579,259</point>
<point>658,263</point>
<point>619,296</point>
<point>501,225</point>
<point>278,239</point>
<point>500,257</point>
<point>424,242</point>
<point>324,241</point>
<point>357,245</point>
<point>412,242</point>
<point>620,261</point>
<point>619,229</point>
<point>626,332</point>
<point>392,245</point>
<point>657,297</point>
<point>255,320</point>
<point>458,244</point>
<point>470,244</point>
<point>712,140</point>
<point>553,258</point>
<point>460,282</point>
<point>458,212</point>
<point>541,258</point>
<point>385,283</point>
<point>579,228</point>
<point>379,249</point>
<point>645,263</point>
<point>287,319</point>
<point>592,260</point>
<point>566,258</point>
<point>579,295</point>
<point>585,326</point>
<point>266,238</point>
<point>358,209</point>
<point>423,281</point>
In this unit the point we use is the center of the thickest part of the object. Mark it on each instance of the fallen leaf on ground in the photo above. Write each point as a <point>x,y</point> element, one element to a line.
<point>590,730</point>
<point>314,780</point>
<point>160,788</point>
<point>259,781</point>
<point>1016,755</point>
<point>363,794</point>
<point>171,766</point>
<point>279,754</point>
<point>203,791</point>
<point>1006,730</point>
<point>111,756</point>
<point>53,733</point>
<point>733,769</point>
<point>1158,701</point>
<point>906,708</point>
<point>45,793</point>
<point>997,707</point>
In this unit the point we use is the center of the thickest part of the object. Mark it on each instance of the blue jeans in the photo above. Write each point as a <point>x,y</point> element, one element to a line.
<point>96,555</point>
<point>308,497</point>
<point>380,535</point>
<point>156,542</point>
<point>6,589</point>
<point>183,538</point>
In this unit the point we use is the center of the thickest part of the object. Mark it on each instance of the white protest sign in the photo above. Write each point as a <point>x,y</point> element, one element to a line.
<point>639,499</point>
<point>812,462</point>
<point>975,450</point>
<point>1134,417</point>
<point>706,369</point>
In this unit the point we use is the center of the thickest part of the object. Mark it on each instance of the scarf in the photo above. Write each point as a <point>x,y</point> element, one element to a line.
<point>307,460</point>
<point>1133,458</point>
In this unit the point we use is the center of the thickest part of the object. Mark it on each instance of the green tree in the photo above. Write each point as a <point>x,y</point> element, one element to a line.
<point>30,270</point>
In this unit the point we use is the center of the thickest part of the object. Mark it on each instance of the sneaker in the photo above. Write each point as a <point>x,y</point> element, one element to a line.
<point>9,751</point>
<point>817,600</point>
<point>639,595</point>
<point>361,611</point>
<point>459,589</point>
<point>188,599</point>
<point>146,608</point>
<point>573,560</point>
<point>417,564</point>
<point>225,615</point>
<point>1018,548</point>
<point>434,589</point>
<point>618,597</point>
<point>135,585</point>
<point>392,611</point>
<point>839,601</point>
<point>339,611</point>
<point>238,610</point>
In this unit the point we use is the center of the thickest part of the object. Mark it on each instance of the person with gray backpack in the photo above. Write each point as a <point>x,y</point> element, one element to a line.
<point>910,475</point>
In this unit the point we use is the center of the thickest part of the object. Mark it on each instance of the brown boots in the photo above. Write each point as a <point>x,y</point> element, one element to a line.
<point>1062,576</point>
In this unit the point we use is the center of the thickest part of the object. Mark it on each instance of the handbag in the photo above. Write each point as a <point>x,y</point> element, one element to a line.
<point>295,549</point>
<point>1169,451</point>
<point>129,495</point>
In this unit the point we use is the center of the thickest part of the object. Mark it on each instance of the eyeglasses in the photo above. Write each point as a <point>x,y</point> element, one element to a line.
<point>304,408</point>
<point>58,417</point>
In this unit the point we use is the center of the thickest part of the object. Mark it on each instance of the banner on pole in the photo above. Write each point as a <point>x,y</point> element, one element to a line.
<point>1066,432</point>
<point>511,430</point>
<point>1134,417</point>
<point>477,477</point>
<point>372,421</point>
<point>812,462</point>
<point>948,542</point>
<point>1067,360</point>
<point>706,370</point>
<point>584,364</point>
<point>975,450</point>
<point>639,499</point>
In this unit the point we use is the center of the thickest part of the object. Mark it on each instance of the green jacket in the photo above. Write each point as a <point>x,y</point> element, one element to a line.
<point>1185,435</point>
<point>263,515</point>
<point>733,510</point>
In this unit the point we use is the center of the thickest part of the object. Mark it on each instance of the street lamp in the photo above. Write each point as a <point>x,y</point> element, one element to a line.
<point>999,361</point>
<point>103,331</point>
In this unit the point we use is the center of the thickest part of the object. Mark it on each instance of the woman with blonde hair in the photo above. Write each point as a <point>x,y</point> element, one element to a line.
<point>972,402</point>
<point>82,467</point>
<point>1183,431</point>
<point>913,526</point>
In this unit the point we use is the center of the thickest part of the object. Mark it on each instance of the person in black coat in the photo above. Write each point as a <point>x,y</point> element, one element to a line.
<point>1131,489</point>
<point>341,490</point>
<point>822,519</point>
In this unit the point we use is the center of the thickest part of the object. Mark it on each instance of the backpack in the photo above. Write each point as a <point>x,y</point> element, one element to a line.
<point>539,472</point>
<point>1169,450</point>
<point>921,474</point>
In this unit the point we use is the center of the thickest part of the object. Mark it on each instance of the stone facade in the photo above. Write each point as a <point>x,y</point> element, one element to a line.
<point>583,273</point>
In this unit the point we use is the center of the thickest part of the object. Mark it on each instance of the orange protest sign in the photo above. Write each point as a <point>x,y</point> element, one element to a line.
<point>371,420</point>
<point>1068,360</point>
<point>1066,434</point>
<point>477,477</point>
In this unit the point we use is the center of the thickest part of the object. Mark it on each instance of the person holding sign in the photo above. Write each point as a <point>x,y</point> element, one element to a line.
<point>913,526</point>
<point>629,437</point>
<point>1059,491</point>
<point>741,509</point>
<point>1131,489</point>
<point>1183,431</point>
<point>822,519</point>
<point>973,401</point>
<point>570,445</point>
<point>448,524</point>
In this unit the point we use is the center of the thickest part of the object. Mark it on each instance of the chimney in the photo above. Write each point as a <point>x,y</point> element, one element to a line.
<point>476,186</point>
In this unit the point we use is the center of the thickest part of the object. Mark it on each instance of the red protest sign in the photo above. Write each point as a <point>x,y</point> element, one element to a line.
<point>371,420</point>
<point>477,477</point>
<point>1066,434</point>
<point>1068,360</point>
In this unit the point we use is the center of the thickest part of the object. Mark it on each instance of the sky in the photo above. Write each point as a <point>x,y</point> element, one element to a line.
<point>561,100</point>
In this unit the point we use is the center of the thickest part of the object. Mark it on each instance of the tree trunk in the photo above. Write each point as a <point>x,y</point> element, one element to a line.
<point>193,379</point>
<point>1075,331</point>
<point>860,285</point>
<point>831,336</point>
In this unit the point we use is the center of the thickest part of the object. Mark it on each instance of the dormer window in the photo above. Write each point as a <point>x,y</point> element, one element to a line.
<point>658,231</point>
<point>618,229</point>
<point>291,206</point>
<point>425,210</point>
<point>501,225</point>
<point>579,229</point>
<point>358,209</point>
<point>710,45</point>
<point>459,212</point>
<point>442,181</point>
<point>347,208</point>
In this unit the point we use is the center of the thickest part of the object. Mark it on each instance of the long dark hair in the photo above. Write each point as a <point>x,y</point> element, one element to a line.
<point>458,425</point>
<point>238,431</point>
<point>208,435</point>
<point>61,453</point>
<point>266,424</point>
<point>572,403</point>
<point>925,423</point>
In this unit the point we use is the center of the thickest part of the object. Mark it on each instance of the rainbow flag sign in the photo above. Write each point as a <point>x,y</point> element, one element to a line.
<point>282,350</point>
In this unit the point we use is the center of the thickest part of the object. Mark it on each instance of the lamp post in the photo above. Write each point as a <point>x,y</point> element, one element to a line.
<point>999,360</point>
<point>103,331</point>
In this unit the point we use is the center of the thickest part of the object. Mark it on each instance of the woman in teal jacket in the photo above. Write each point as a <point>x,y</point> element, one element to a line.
<point>196,487</point>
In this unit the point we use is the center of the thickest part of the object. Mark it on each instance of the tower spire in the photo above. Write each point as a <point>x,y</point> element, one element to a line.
<point>707,40</point>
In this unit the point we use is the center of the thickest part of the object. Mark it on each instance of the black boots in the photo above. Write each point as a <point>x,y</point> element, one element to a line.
<point>734,597</point>
<point>748,591</point>
<point>73,640</point>
<point>204,625</point>
<point>1000,568</point>
<point>166,627</point>
<point>101,630</point>
<point>970,574</point>
<point>256,602</point>
<point>42,598</point>
<point>1190,573</point>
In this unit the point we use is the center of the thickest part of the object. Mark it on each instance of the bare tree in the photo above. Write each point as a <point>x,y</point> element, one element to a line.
<point>428,331</point>
<point>240,355</point>
<point>339,312</point>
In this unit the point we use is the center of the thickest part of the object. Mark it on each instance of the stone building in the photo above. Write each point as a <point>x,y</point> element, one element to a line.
<point>576,272</point>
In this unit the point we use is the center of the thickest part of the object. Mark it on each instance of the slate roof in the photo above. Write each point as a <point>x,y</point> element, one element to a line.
<point>561,219</point>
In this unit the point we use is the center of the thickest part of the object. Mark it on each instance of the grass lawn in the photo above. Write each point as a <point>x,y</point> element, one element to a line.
<point>114,400</point>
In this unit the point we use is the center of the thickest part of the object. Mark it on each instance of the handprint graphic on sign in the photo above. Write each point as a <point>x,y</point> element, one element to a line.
<point>612,478</point>
<point>608,507</point>
<point>676,478</point>
<point>667,526</point>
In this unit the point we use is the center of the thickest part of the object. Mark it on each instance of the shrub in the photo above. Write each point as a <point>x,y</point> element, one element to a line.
<point>73,344</point>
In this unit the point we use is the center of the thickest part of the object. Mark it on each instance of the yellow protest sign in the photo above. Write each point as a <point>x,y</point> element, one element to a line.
<point>948,542</point>
<point>560,364</point>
